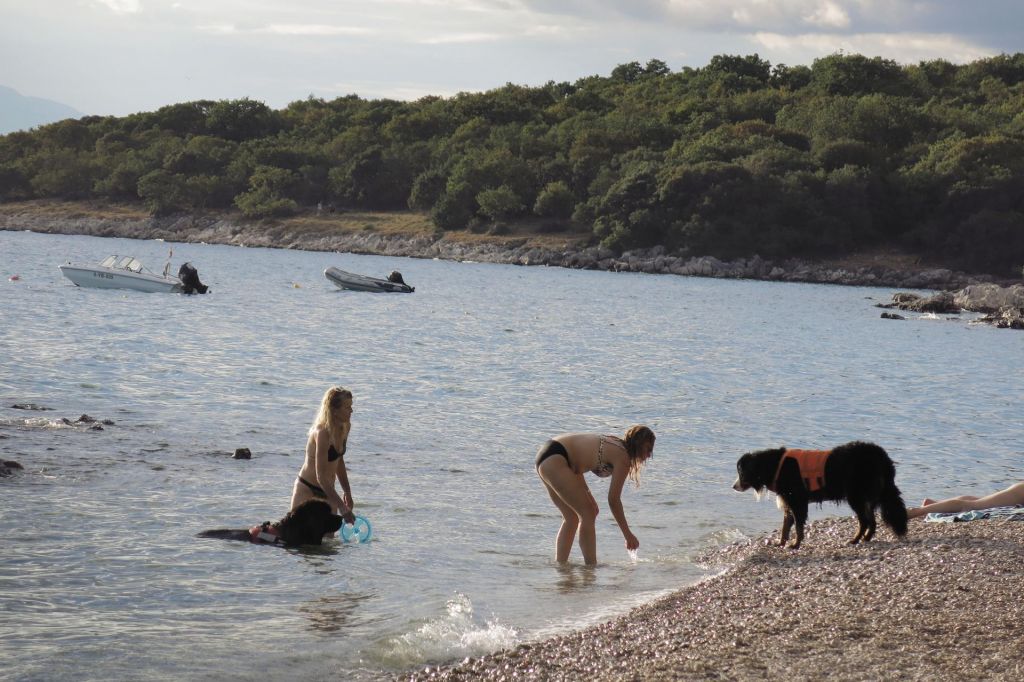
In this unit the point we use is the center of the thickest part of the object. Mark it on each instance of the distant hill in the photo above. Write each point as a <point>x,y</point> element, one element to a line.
<point>18,112</point>
<point>735,159</point>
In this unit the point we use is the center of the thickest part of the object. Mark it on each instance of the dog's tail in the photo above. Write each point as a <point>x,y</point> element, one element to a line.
<point>894,512</point>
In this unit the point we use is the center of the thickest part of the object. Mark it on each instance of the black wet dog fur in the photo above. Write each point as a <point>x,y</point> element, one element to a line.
<point>859,473</point>
<point>305,525</point>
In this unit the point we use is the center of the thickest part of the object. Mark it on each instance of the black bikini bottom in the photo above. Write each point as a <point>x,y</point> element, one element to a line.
<point>552,447</point>
<point>317,490</point>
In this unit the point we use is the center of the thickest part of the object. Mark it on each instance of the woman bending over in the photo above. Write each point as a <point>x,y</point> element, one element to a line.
<point>561,463</point>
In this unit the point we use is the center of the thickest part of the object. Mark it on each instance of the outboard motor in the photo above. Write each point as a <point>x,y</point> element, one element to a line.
<point>396,277</point>
<point>189,277</point>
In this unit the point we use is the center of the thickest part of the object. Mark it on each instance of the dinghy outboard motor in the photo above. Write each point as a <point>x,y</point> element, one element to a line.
<point>189,277</point>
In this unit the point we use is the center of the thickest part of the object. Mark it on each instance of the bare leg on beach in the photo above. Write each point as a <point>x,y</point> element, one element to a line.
<point>570,494</point>
<point>1011,496</point>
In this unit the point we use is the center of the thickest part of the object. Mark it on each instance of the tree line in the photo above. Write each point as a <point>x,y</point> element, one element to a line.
<point>735,158</point>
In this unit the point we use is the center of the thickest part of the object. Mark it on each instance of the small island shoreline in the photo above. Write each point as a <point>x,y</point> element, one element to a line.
<point>411,235</point>
<point>942,604</point>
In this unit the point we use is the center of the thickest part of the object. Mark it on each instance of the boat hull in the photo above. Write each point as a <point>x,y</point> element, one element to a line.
<point>106,278</point>
<point>353,282</point>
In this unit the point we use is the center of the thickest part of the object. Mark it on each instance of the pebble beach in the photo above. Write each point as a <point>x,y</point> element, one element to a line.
<point>944,603</point>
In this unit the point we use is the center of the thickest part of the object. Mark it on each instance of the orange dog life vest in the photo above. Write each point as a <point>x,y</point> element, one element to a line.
<point>812,467</point>
<point>265,533</point>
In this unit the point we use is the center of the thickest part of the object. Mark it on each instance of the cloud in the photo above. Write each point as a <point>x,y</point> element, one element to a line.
<point>280,51</point>
<point>121,6</point>
<point>455,38</point>
<point>554,31</point>
<point>795,16</point>
<point>828,14</point>
<point>396,90</point>
<point>782,16</point>
<point>905,48</point>
<point>314,30</point>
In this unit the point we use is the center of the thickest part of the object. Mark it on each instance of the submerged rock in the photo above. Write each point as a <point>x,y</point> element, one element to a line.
<point>8,467</point>
<point>1003,306</point>
<point>1006,318</point>
<point>941,303</point>
<point>92,423</point>
<point>899,299</point>
<point>989,298</point>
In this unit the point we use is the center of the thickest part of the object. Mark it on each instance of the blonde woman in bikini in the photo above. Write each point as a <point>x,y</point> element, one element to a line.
<point>325,455</point>
<point>1014,495</point>
<point>561,463</point>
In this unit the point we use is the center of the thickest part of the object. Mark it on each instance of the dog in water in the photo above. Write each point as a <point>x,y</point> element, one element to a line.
<point>860,473</point>
<point>305,525</point>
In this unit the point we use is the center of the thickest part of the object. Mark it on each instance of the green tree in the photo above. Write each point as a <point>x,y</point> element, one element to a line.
<point>241,119</point>
<point>60,172</point>
<point>267,194</point>
<point>201,154</point>
<point>373,178</point>
<point>733,73</point>
<point>499,203</point>
<point>854,74</point>
<point>456,207</point>
<point>13,184</point>
<point>427,188</point>
<point>186,118</point>
<point>122,180</point>
<point>556,200</point>
<point>164,192</point>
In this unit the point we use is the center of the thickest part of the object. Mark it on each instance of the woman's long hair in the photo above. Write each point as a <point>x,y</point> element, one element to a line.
<point>326,417</point>
<point>636,437</point>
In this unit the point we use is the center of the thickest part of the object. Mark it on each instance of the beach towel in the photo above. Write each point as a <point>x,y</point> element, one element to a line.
<point>1015,513</point>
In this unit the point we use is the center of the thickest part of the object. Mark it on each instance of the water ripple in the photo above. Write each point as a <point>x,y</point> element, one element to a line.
<point>456,386</point>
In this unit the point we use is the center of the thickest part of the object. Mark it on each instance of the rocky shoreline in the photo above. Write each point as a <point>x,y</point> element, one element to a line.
<point>942,604</point>
<point>479,248</point>
<point>1003,306</point>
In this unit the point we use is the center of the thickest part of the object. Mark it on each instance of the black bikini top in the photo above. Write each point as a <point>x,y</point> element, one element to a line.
<point>332,454</point>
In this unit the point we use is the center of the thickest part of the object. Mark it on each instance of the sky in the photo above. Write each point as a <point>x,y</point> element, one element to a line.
<point>123,56</point>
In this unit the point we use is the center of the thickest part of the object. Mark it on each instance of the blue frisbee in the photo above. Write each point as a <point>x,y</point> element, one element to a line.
<point>358,532</point>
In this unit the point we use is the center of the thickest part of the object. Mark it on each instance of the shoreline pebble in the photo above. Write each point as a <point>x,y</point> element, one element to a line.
<point>945,603</point>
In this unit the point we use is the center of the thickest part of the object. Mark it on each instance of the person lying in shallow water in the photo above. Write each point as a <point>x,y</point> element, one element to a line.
<point>1011,496</point>
<point>561,463</point>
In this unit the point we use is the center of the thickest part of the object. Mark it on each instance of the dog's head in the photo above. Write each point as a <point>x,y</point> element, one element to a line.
<point>745,470</point>
<point>308,523</point>
<point>755,469</point>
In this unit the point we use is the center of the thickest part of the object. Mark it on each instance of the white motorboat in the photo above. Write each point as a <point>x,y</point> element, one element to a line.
<point>127,272</point>
<point>354,282</point>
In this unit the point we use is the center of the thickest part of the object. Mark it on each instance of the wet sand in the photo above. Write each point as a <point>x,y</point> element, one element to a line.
<point>945,603</point>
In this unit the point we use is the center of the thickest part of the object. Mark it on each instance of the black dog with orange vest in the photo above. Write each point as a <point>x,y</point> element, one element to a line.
<point>307,524</point>
<point>860,473</point>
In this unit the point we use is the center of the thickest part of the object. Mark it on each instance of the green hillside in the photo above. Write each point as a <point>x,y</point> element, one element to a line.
<point>736,158</point>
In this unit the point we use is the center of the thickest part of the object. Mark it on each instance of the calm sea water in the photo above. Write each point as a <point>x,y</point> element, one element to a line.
<point>101,576</point>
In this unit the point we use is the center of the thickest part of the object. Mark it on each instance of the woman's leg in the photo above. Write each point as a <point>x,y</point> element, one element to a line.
<point>1004,498</point>
<point>952,504</point>
<point>567,531</point>
<point>1010,496</point>
<point>300,493</point>
<point>570,495</point>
